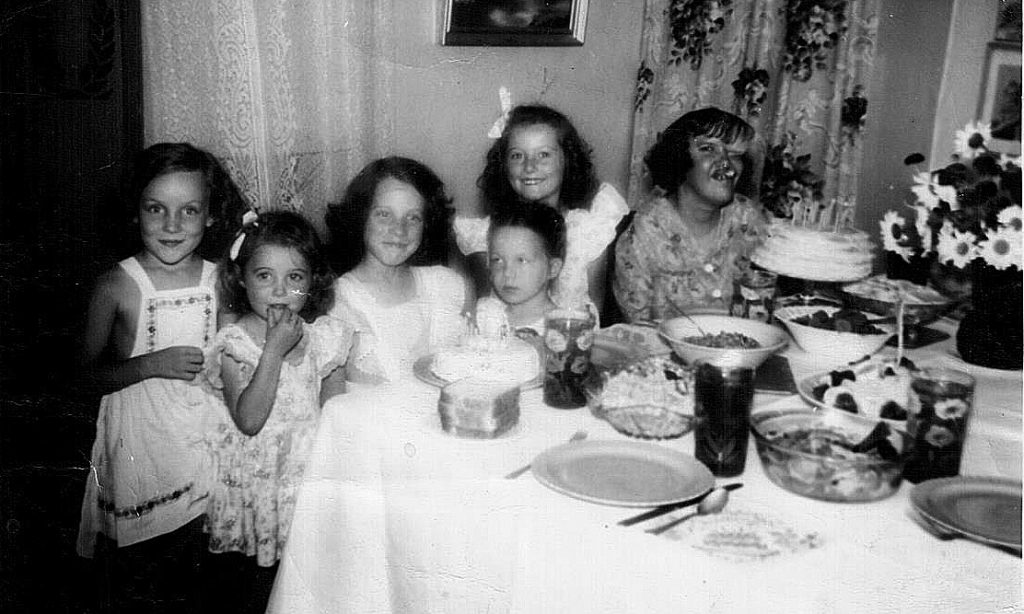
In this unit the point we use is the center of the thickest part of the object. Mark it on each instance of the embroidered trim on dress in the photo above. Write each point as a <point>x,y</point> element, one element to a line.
<point>146,507</point>
<point>156,303</point>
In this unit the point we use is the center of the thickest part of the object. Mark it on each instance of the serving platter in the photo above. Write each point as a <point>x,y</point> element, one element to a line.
<point>421,369</point>
<point>622,473</point>
<point>984,509</point>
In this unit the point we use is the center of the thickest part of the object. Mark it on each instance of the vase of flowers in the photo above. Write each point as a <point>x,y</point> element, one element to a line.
<point>966,219</point>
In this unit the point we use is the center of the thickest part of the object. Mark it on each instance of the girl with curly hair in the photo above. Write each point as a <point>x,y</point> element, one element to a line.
<point>388,237</point>
<point>541,157</point>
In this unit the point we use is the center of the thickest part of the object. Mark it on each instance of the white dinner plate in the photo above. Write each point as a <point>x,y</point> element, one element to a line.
<point>421,369</point>
<point>622,473</point>
<point>984,509</point>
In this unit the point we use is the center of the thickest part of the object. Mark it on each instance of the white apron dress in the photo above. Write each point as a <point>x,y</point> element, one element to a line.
<point>149,472</point>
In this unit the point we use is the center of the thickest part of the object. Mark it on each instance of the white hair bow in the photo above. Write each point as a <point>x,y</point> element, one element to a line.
<point>506,106</point>
<point>249,220</point>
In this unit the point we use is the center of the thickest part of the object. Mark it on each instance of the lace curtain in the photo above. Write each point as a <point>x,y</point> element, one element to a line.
<point>796,70</point>
<point>294,97</point>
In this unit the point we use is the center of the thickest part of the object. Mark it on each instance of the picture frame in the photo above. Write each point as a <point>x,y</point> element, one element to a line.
<point>1000,103</point>
<point>1008,22</point>
<point>514,23</point>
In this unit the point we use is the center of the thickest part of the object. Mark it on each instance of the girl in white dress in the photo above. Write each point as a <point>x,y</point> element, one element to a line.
<point>388,240</point>
<point>541,157</point>
<point>149,321</point>
<point>276,364</point>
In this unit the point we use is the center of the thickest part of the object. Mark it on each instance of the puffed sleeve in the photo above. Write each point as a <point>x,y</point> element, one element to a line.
<point>471,233</point>
<point>331,342</point>
<point>589,232</point>
<point>233,342</point>
<point>633,282</point>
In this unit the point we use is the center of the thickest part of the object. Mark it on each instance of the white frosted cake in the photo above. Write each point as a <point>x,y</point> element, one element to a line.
<point>489,353</point>
<point>815,254</point>
<point>478,409</point>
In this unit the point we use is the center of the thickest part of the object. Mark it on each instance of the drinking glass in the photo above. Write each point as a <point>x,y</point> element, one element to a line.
<point>723,397</point>
<point>568,337</point>
<point>937,414</point>
<point>753,295</point>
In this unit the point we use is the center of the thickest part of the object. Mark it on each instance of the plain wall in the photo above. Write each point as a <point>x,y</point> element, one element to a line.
<point>973,26</point>
<point>448,96</point>
<point>902,102</point>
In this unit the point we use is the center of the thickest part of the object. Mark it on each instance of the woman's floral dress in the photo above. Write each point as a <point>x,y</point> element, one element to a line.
<point>661,269</point>
<point>258,477</point>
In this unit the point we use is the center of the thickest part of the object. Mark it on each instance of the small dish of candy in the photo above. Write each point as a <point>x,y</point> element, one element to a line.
<point>875,389</point>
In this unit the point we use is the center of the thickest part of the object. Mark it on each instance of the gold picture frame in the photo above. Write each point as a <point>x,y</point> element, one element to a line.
<point>1000,103</point>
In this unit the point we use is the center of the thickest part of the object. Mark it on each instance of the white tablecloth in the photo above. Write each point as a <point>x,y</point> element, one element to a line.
<point>396,516</point>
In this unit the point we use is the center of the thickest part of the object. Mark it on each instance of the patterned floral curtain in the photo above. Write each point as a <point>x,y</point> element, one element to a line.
<point>796,70</point>
<point>294,97</point>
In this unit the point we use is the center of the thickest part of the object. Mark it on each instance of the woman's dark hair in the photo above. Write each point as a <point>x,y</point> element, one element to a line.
<point>224,202</point>
<point>668,160</point>
<point>284,229</point>
<point>579,181</point>
<point>346,221</point>
<point>547,222</point>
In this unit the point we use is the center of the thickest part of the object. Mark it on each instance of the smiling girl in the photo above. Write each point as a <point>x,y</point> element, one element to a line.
<point>389,238</point>
<point>149,321</point>
<point>540,157</point>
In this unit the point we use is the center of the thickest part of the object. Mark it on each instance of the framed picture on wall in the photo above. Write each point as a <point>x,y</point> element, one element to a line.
<point>1008,24</point>
<point>1000,103</point>
<point>514,23</point>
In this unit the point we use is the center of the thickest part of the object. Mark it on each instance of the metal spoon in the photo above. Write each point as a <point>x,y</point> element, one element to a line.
<point>712,504</point>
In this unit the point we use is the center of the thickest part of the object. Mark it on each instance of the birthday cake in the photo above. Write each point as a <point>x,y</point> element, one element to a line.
<point>489,352</point>
<point>817,246</point>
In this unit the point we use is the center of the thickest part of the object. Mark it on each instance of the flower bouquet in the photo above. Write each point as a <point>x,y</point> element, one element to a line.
<point>967,219</point>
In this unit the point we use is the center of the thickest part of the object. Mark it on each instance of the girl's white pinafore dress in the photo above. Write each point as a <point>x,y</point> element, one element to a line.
<point>150,472</point>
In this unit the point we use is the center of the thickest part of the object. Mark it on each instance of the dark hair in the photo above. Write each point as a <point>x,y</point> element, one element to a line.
<point>547,222</point>
<point>579,181</point>
<point>224,202</point>
<point>346,221</point>
<point>668,160</point>
<point>284,229</point>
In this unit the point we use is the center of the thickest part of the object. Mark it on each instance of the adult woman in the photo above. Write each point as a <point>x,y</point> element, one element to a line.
<point>541,157</point>
<point>696,233</point>
<point>388,238</point>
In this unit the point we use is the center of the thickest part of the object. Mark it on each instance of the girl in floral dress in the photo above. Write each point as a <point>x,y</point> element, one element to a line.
<point>541,157</point>
<point>149,320</point>
<point>276,364</point>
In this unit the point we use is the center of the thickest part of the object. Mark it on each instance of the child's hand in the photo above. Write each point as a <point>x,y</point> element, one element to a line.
<point>178,362</point>
<point>284,330</point>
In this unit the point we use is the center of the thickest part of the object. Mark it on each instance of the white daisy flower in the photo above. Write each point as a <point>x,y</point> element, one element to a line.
<point>924,191</point>
<point>1011,217</point>
<point>892,230</point>
<point>999,247</point>
<point>970,141</point>
<point>948,194</point>
<point>955,246</point>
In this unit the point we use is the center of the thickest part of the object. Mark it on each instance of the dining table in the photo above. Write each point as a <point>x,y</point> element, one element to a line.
<point>396,515</point>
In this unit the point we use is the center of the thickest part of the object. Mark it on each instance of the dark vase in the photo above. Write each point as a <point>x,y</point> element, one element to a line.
<point>990,333</point>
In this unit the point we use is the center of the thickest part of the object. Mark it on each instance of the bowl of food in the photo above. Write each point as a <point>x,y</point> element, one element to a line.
<point>878,389</point>
<point>879,295</point>
<point>836,335</point>
<point>722,340</point>
<point>832,456</point>
<point>650,398</point>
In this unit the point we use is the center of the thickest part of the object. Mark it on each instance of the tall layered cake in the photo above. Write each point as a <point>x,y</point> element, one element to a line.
<point>817,244</point>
